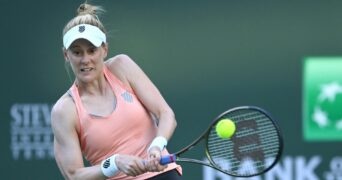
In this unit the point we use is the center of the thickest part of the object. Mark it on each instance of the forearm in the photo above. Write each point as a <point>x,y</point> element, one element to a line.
<point>166,124</point>
<point>91,173</point>
<point>71,166</point>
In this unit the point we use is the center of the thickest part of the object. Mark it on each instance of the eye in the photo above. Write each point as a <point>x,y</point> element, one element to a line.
<point>76,52</point>
<point>92,50</point>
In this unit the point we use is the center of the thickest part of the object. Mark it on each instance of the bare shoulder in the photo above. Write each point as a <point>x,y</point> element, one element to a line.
<point>64,113</point>
<point>120,62</point>
<point>122,66</point>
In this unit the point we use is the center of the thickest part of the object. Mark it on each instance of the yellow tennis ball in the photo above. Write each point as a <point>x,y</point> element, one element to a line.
<point>225,128</point>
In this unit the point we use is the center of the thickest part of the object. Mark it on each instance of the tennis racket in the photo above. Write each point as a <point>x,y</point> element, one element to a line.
<point>255,147</point>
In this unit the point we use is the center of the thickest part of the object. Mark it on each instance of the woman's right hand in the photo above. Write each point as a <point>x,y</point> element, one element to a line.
<point>130,165</point>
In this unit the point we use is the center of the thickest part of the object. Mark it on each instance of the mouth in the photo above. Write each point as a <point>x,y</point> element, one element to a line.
<point>86,69</point>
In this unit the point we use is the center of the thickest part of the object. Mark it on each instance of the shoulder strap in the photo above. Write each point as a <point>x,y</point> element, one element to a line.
<point>114,81</point>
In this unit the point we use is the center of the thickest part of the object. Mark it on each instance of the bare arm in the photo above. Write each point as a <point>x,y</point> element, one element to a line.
<point>68,154</point>
<point>131,74</point>
<point>67,150</point>
<point>147,92</point>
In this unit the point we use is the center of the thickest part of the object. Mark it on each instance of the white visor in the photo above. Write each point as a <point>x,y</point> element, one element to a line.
<point>84,31</point>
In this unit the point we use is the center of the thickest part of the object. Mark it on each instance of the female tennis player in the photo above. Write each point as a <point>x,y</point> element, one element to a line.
<point>113,115</point>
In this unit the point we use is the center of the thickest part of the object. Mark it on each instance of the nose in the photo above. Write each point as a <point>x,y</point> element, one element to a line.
<point>86,58</point>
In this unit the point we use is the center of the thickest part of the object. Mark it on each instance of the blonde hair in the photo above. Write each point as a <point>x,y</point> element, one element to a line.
<point>86,14</point>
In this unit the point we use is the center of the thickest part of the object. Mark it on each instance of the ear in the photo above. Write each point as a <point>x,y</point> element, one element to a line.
<point>65,54</point>
<point>105,48</point>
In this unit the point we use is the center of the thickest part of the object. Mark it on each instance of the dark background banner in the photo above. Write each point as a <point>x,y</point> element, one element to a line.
<point>204,56</point>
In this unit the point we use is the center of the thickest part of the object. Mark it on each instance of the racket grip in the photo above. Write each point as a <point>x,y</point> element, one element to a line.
<point>167,159</point>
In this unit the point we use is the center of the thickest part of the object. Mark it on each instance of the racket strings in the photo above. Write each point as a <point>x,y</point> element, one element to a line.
<point>251,150</point>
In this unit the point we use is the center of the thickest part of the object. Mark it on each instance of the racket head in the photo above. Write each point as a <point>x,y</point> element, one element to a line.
<point>255,147</point>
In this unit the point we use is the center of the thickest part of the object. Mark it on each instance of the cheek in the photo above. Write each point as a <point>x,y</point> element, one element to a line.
<point>98,59</point>
<point>100,54</point>
<point>73,64</point>
<point>99,65</point>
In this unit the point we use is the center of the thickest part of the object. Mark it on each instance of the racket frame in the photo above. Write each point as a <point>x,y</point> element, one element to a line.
<point>219,117</point>
<point>205,134</point>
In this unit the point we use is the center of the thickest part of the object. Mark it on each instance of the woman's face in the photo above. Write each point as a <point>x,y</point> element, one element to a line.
<point>86,60</point>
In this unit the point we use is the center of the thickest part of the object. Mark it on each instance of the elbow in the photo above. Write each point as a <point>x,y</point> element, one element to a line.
<point>173,119</point>
<point>166,119</point>
<point>70,174</point>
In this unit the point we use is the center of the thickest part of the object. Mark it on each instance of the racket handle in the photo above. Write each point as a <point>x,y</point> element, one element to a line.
<point>167,159</point>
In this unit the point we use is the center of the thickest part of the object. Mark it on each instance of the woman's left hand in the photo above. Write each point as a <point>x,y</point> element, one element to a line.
<point>152,164</point>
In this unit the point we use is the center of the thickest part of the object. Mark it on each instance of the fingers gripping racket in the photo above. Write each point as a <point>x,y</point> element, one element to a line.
<point>255,147</point>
